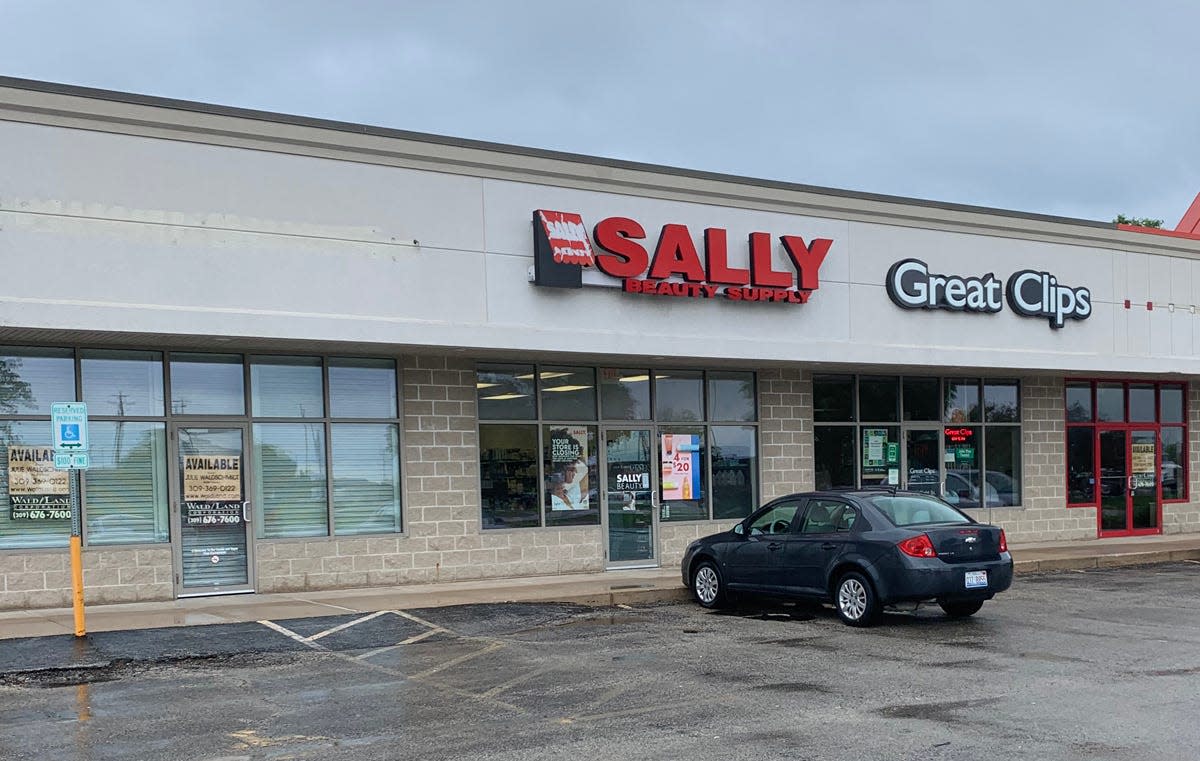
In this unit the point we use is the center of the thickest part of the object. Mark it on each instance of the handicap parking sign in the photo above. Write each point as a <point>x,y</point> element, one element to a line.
<point>69,423</point>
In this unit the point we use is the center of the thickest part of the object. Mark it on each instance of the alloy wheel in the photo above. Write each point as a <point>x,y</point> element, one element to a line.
<point>852,599</point>
<point>706,585</point>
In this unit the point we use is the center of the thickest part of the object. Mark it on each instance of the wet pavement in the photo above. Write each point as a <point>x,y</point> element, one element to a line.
<point>1098,664</point>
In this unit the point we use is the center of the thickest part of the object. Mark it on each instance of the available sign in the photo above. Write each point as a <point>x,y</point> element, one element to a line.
<point>36,490</point>
<point>676,267</point>
<point>1030,293</point>
<point>212,479</point>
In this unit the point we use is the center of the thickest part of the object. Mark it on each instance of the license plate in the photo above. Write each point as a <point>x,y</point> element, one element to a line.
<point>976,579</point>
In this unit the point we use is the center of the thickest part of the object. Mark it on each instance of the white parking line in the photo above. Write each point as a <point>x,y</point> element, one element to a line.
<point>347,625</point>
<point>409,641</point>
<point>292,635</point>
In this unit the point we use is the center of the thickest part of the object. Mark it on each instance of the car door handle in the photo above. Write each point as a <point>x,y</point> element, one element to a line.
<point>829,546</point>
<point>774,546</point>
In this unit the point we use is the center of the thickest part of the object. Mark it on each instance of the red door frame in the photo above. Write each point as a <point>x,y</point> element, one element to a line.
<point>1129,429</point>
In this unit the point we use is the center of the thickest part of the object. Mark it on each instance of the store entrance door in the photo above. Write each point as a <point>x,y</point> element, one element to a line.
<point>1130,490</point>
<point>630,496</point>
<point>211,510</point>
<point>922,460</point>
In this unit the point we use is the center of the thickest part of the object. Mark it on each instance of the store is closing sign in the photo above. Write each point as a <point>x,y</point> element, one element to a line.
<point>676,267</point>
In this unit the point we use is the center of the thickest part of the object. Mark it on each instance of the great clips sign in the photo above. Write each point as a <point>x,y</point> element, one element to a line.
<point>672,265</point>
<point>1029,293</point>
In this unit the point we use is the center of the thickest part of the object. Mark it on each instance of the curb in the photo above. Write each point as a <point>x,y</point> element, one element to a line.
<point>1149,557</point>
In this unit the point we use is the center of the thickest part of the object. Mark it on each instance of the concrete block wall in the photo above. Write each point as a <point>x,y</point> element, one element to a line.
<point>1043,514</point>
<point>1184,517</point>
<point>442,539</point>
<point>42,578</point>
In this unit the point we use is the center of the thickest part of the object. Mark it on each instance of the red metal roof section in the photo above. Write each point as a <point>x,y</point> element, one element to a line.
<point>1191,219</point>
<point>1188,227</point>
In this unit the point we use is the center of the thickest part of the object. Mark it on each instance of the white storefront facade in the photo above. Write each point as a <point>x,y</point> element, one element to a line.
<point>322,355</point>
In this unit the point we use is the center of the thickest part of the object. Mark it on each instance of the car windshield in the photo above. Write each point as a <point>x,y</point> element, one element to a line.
<point>905,510</point>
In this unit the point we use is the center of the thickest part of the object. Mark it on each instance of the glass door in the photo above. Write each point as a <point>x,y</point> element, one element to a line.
<point>630,517</point>
<point>922,460</point>
<point>211,510</point>
<point>1129,485</point>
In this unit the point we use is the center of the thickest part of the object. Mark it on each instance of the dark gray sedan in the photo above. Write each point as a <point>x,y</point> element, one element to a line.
<point>860,550</point>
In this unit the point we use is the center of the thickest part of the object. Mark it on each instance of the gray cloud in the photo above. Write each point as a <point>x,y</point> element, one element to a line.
<point>1076,108</point>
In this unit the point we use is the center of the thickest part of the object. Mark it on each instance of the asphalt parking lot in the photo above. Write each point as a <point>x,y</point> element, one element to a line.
<point>1081,665</point>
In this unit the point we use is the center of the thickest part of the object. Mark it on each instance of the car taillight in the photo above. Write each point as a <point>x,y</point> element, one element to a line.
<point>1003,541</point>
<point>918,547</point>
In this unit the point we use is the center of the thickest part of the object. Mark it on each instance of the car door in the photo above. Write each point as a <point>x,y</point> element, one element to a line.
<point>824,533</point>
<point>753,562</point>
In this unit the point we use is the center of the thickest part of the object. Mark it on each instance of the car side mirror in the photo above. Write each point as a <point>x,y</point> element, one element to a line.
<point>739,529</point>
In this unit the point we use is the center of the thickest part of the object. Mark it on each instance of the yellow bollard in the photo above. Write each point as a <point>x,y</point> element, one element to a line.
<point>77,584</point>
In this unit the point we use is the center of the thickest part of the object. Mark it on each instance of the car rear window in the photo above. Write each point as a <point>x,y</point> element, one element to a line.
<point>916,511</point>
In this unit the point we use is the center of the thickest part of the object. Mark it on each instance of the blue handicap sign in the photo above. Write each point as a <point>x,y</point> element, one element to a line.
<point>70,432</point>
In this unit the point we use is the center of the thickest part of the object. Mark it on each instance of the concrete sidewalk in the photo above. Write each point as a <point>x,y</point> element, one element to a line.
<point>611,588</point>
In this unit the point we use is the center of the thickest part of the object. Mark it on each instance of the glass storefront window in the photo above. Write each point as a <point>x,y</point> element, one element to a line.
<point>1000,401</point>
<point>123,383</point>
<point>921,399</point>
<point>508,473</point>
<point>833,398</point>
<point>880,460</point>
<point>683,455</point>
<point>962,400</point>
<point>1002,479</point>
<point>1110,402</point>
<point>1170,401</point>
<point>126,486</point>
<point>207,384</point>
<point>833,462</point>
<point>286,387</point>
<point>25,476</point>
<point>290,479</point>
<point>33,379</point>
<point>366,478</point>
<point>568,393</point>
<point>362,388</point>
<point>679,396</point>
<point>505,392</point>
<point>964,485</point>
<point>734,470</point>
<point>1079,402</point>
<point>731,397</point>
<point>1174,463</point>
<point>1141,403</point>
<point>1081,465</point>
<point>625,394</point>
<point>878,399</point>
<point>569,462</point>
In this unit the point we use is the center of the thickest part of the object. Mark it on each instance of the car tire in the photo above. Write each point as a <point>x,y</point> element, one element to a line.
<point>855,600</point>
<point>961,609</point>
<point>708,587</point>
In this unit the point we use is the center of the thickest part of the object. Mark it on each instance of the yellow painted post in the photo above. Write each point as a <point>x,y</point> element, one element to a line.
<point>77,556</point>
<point>77,584</point>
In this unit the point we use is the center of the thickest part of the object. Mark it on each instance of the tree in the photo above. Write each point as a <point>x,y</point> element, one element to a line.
<point>1140,222</point>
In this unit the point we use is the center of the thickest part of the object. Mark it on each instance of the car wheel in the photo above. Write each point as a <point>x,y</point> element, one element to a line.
<point>855,600</point>
<point>961,609</point>
<point>707,585</point>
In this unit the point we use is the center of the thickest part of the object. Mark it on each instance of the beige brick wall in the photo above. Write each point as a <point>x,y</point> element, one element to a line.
<point>1043,515</point>
<point>42,578</point>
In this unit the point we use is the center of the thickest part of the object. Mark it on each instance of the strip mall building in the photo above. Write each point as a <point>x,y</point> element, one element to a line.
<point>321,355</point>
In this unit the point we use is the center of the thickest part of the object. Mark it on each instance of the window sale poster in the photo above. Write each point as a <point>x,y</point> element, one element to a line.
<point>680,466</point>
<point>567,475</point>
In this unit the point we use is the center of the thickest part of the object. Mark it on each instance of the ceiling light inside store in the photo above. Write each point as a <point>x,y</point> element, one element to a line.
<point>635,378</point>
<point>566,388</point>
<point>548,375</point>
<point>486,385</point>
<point>499,397</point>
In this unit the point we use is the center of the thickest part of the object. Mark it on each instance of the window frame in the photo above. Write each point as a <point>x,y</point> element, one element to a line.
<point>1096,426</point>
<point>601,423</point>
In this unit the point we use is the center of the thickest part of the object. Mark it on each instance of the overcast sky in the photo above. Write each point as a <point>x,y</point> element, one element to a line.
<point>1084,109</point>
